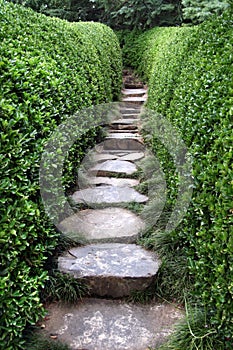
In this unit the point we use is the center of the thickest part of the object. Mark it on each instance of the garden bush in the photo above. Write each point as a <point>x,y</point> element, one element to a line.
<point>49,69</point>
<point>189,72</point>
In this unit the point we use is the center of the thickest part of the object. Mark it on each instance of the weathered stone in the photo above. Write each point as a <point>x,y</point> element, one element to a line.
<point>111,269</point>
<point>126,130</point>
<point>99,324</point>
<point>132,157</point>
<point>108,195</point>
<point>112,181</point>
<point>130,110</point>
<point>135,100</point>
<point>114,167</point>
<point>103,225</point>
<point>101,157</point>
<point>130,121</point>
<point>121,124</point>
<point>134,92</point>
<point>123,141</point>
<point>127,116</point>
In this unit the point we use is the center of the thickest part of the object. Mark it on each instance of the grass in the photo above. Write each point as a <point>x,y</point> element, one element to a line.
<point>63,287</point>
<point>39,342</point>
<point>194,333</point>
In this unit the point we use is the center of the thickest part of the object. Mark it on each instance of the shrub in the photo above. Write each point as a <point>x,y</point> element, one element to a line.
<point>190,82</point>
<point>49,68</point>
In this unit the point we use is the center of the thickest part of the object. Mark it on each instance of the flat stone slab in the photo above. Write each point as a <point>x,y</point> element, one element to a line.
<point>122,135</point>
<point>112,181</point>
<point>101,157</point>
<point>134,92</point>
<point>127,116</point>
<point>136,100</point>
<point>111,269</point>
<point>129,121</point>
<point>103,225</point>
<point>122,130</point>
<point>100,324</point>
<point>133,157</point>
<point>131,110</point>
<point>121,124</point>
<point>108,195</point>
<point>114,167</point>
<point>123,141</point>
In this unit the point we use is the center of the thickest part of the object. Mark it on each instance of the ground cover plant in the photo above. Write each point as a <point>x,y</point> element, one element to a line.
<point>189,72</point>
<point>49,69</point>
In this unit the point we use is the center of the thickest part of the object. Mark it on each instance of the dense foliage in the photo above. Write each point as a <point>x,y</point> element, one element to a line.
<point>189,71</point>
<point>197,11</point>
<point>118,14</point>
<point>49,68</point>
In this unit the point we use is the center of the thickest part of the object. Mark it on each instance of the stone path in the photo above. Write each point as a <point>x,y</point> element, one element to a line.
<point>110,262</point>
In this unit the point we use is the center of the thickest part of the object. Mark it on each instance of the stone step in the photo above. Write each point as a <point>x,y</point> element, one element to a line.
<point>134,92</point>
<point>132,157</point>
<point>113,167</point>
<point>130,110</point>
<point>134,85</point>
<point>123,141</point>
<point>100,324</point>
<point>102,157</point>
<point>135,100</point>
<point>127,116</point>
<point>128,123</point>
<point>122,130</point>
<point>111,269</point>
<point>112,181</point>
<point>103,225</point>
<point>108,195</point>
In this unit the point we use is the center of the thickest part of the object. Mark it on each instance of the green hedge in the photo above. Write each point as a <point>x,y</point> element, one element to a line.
<point>189,71</point>
<point>49,68</point>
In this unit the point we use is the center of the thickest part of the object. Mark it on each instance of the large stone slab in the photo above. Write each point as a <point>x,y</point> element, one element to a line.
<point>108,195</point>
<point>111,269</point>
<point>123,141</point>
<point>133,157</point>
<point>130,110</point>
<point>100,324</point>
<point>135,100</point>
<point>112,181</point>
<point>102,157</point>
<point>114,167</point>
<point>103,225</point>
<point>127,116</point>
<point>134,92</point>
<point>122,130</point>
<point>129,121</point>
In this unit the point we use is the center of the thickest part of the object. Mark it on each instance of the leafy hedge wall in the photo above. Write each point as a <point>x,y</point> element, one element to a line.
<point>189,71</point>
<point>49,68</point>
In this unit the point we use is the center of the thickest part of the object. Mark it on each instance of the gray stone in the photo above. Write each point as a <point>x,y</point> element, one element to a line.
<point>123,141</point>
<point>114,167</point>
<point>112,181</point>
<point>130,116</point>
<point>111,269</point>
<point>134,92</point>
<point>103,225</point>
<point>101,157</point>
<point>130,110</point>
<point>135,100</point>
<point>129,121</point>
<point>99,324</point>
<point>108,195</point>
<point>122,130</point>
<point>132,157</point>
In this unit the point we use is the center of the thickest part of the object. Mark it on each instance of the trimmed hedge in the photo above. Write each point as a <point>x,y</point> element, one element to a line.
<point>49,69</point>
<point>189,71</point>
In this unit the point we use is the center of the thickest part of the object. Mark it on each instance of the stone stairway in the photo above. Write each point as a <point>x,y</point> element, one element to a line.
<point>110,261</point>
